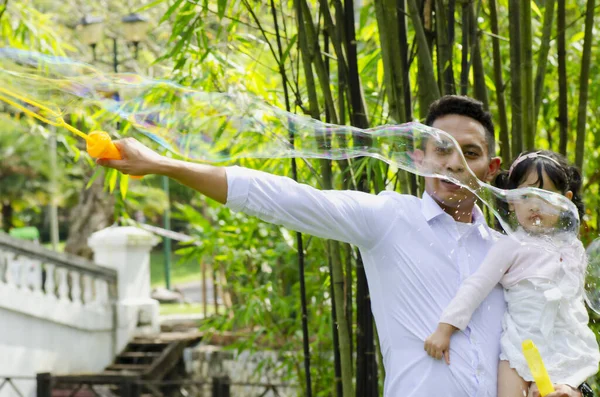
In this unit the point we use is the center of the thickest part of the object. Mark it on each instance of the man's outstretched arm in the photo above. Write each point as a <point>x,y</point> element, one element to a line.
<point>353,217</point>
<point>137,159</point>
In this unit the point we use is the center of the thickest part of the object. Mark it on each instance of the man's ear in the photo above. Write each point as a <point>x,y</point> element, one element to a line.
<point>493,168</point>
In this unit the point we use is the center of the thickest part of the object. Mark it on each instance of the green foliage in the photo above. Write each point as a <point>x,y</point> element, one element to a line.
<point>223,45</point>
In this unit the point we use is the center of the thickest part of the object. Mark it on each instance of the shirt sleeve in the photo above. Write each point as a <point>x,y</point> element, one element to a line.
<point>348,216</point>
<point>476,287</point>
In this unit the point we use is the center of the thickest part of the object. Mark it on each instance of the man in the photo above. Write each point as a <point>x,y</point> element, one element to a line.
<point>416,252</point>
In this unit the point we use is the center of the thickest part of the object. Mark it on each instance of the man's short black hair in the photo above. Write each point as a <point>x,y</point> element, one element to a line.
<point>464,106</point>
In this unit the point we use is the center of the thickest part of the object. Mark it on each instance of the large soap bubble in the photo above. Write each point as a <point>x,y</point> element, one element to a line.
<point>219,127</point>
<point>592,281</point>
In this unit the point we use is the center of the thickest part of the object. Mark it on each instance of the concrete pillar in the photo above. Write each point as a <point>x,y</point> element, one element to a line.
<point>127,250</point>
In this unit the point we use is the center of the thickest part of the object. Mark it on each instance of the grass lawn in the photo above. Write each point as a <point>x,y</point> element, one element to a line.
<point>186,308</point>
<point>181,271</point>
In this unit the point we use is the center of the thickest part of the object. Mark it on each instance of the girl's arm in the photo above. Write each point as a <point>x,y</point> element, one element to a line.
<point>469,296</point>
<point>476,287</point>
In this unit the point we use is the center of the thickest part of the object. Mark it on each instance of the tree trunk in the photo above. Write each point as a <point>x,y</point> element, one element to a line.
<point>500,88</point>
<point>515,78</point>
<point>563,111</point>
<point>584,84</point>
<point>94,211</point>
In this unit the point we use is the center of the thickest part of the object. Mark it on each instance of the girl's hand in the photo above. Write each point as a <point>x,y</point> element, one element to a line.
<point>437,345</point>
<point>560,391</point>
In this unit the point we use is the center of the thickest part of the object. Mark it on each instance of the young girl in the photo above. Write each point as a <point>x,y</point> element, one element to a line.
<point>542,270</point>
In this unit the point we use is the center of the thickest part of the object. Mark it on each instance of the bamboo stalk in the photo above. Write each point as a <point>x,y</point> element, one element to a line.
<point>444,46</point>
<point>500,87</point>
<point>428,88</point>
<point>527,102</point>
<point>584,83</point>
<point>465,64</point>
<point>515,77</point>
<point>563,115</point>
<point>540,73</point>
<point>299,240</point>
<point>480,89</point>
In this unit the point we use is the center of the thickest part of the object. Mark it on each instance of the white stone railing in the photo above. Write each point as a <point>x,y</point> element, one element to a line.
<point>61,288</point>
<point>64,314</point>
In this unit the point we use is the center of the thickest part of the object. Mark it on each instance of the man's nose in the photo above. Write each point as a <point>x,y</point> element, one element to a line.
<point>456,163</point>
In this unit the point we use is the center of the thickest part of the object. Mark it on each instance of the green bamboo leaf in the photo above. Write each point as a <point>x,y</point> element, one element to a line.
<point>123,185</point>
<point>221,7</point>
<point>170,11</point>
<point>112,180</point>
<point>577,37</point>
<point>535,9</point>
<point>289,48</point>
<point>150,5</point>
<point>97,173</point>
<point>380,72</point>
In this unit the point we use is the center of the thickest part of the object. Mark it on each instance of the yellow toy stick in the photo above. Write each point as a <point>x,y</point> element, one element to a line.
<point>537,368</point>
<point>98,143</point>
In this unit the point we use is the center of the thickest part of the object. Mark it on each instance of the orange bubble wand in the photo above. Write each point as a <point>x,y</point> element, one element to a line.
<point>99,145</point>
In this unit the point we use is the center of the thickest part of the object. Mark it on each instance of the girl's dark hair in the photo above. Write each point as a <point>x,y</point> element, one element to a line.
<point>564,176</point>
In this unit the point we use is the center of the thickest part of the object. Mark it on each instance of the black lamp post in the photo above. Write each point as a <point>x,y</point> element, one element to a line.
<point>134,27</point>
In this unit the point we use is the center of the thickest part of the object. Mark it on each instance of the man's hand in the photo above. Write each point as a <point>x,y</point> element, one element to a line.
<point>437,345</point>
<point>137,158</point>
<point>559,391</point>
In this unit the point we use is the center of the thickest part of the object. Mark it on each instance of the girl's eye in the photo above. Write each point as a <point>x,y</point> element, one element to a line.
<point>471,154</point>
<point>524,196</point>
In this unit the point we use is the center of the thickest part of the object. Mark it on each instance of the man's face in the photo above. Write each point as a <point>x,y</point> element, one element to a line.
<point>471,137</point>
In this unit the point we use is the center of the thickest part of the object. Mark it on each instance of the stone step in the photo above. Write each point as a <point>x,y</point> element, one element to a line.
<point>128,367</point>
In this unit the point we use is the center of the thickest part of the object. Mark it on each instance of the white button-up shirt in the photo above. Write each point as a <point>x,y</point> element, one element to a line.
<point>415,259</point>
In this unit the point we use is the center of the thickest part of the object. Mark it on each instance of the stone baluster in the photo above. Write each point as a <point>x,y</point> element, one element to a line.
<point>34,273</point>
<point>3,265</point>
<point>88,293</point>
<point>63,284</point>
<point>101,298</point>
<point>13,271</point>
<point>49,285</point>
<point>75,287</point>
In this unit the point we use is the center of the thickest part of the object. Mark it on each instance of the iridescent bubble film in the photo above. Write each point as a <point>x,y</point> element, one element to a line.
<point>220,127</point>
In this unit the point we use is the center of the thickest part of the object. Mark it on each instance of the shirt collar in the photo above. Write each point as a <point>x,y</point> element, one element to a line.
<point>431,209</point>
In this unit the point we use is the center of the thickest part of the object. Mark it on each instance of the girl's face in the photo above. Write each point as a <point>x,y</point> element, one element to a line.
<point>534,214</point>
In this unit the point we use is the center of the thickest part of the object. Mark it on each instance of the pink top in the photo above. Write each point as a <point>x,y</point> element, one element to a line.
<point>513,259</point>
